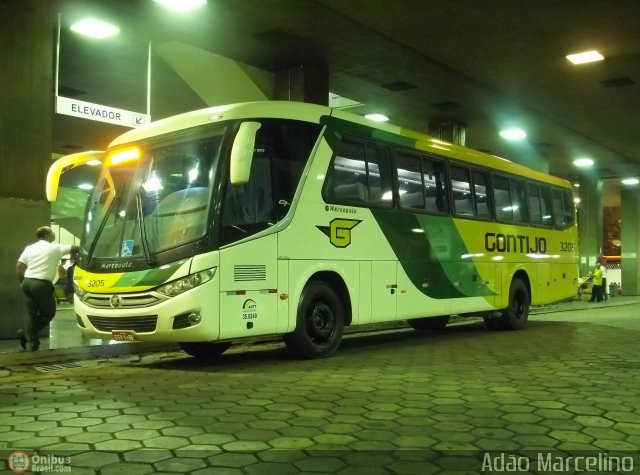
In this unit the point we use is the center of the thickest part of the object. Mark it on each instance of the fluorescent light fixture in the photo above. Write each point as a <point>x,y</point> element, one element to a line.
<point>377,117</point>
<point>181,5</point>
<point>630,181</point>
<point>85,186</point>
<point>513,134</point>
<point>94,28</point>
<point>585,57</point>
<point>576,200</point>
<point>583,162</point>
<point>577,185</point>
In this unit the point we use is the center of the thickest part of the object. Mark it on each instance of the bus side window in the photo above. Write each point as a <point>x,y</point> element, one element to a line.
<point>379,176</point>
<point>502,199</point>
<point>481,195</point>
<point>519,202</point>
<point>410,184</point>
<point>248,208</point>
<point>534,204</point>
<point>347,178</point>
<point>562,209</point>
<point>434,179</point>
<point>546,206</point>
<point>461,191</point>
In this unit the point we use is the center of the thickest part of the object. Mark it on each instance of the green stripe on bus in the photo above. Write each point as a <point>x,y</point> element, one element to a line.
<point>429,249</point>
<point>150,277</point>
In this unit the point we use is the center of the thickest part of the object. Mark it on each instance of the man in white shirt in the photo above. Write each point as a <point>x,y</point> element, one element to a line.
<point>37,269</point>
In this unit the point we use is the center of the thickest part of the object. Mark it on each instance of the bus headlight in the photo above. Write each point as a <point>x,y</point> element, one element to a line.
<point>186,283</point>
<point>78,291</point>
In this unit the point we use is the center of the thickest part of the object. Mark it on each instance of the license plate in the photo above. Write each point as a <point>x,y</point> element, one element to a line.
<point>123,335</point>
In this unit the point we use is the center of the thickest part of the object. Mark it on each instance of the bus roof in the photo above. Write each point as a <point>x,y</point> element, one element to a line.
<point>313,113</point>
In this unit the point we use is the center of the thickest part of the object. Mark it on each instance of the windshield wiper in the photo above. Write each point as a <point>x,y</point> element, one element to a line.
<point>98,233</point>
<point>143,231</point>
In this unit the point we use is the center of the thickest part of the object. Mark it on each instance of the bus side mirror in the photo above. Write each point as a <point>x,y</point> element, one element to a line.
<point>67,163</point>
<point>242,152</point>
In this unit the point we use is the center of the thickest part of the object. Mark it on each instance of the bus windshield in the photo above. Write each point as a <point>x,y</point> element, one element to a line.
<point>153,199</point>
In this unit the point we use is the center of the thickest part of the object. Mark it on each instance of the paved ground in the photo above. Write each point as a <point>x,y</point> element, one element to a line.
<point>389,402</point>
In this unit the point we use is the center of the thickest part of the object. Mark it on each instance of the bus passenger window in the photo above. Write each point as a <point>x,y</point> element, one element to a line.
<point>519,202</point>
<point>347,178</point>
<point>562,208</point>
<point>461,191</point>
<point>502,199</point>
<point>379,176</point>
<point>546,207</point>
<point>409,181</point>
<point>480,195</point>
<point>433,177</point>
<point>534,204</point>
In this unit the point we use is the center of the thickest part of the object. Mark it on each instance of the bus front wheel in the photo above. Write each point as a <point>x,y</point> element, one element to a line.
<point>515,316</point>
<point>320,322</point>
<point>204,350</point>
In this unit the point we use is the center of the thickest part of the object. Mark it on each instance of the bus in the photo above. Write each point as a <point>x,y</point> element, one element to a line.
<point>295,220</point>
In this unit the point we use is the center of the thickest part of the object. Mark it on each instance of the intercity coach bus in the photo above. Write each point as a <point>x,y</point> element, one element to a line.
<point>296,220</point>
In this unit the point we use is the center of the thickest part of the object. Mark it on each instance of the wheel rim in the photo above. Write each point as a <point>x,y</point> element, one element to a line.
<point>321,323</point>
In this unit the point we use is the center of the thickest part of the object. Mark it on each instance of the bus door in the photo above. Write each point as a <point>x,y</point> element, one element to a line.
<point>248,256</point>
<point>384,290</point>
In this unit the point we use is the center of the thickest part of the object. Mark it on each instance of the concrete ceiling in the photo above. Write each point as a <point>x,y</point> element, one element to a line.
<point>488,64</point>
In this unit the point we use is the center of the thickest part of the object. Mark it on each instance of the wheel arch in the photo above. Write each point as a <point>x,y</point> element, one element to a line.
<point>518,274</point>
<point>337,283</point>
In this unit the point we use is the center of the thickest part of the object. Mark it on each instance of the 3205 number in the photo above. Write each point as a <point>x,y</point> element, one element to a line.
<point>96,283</point>
<point>567,246</point>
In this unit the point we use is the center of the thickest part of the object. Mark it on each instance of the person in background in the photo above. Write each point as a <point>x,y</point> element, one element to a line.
<point>37,269</point>
<point>68,290</point>
<point>596,288</point>
<point>603,268</point>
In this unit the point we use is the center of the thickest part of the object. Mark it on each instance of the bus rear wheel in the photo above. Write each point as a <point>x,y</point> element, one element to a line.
<point>320,322</point>
<point>429,324</point>
<point>204,350</point>
<point>515,316</point>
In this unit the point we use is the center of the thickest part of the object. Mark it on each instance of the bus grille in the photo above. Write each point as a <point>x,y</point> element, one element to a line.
<point>144,324</point>
<point>249,272</point>
<point>126,301</point>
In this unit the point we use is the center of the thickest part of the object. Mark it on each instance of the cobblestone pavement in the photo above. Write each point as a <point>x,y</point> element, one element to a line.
<point>390,402</point>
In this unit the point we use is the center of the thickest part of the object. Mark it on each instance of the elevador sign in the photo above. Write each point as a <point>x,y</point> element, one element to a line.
<point>100,113</point>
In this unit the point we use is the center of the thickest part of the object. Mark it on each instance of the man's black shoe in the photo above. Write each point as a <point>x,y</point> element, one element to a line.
<point>23,339</point>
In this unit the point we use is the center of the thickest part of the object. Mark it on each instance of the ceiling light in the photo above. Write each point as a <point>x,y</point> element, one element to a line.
<point>577,185</point>
<point>181,5</point>
<point>583,162</point>
<point>94,28</point>
<point>377,117</point>
<point>85,186</point>
<point>513,134</point>
<point>630,181</point>
<point>585,57</point>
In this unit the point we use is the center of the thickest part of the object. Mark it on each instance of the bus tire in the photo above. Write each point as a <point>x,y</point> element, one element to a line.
<point>430,324</point>
<point>515,316</point>
<point>320,322</point>
<point>204,350</point>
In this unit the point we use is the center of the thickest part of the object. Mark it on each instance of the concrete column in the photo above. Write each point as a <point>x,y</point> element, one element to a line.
<point>452,131</point>
<point>305,83</point>
<point>630,237</point>
<point>26,109</point>
<point>590,222</point>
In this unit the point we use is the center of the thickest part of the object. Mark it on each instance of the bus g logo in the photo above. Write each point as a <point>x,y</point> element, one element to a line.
<point>339,231</point>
